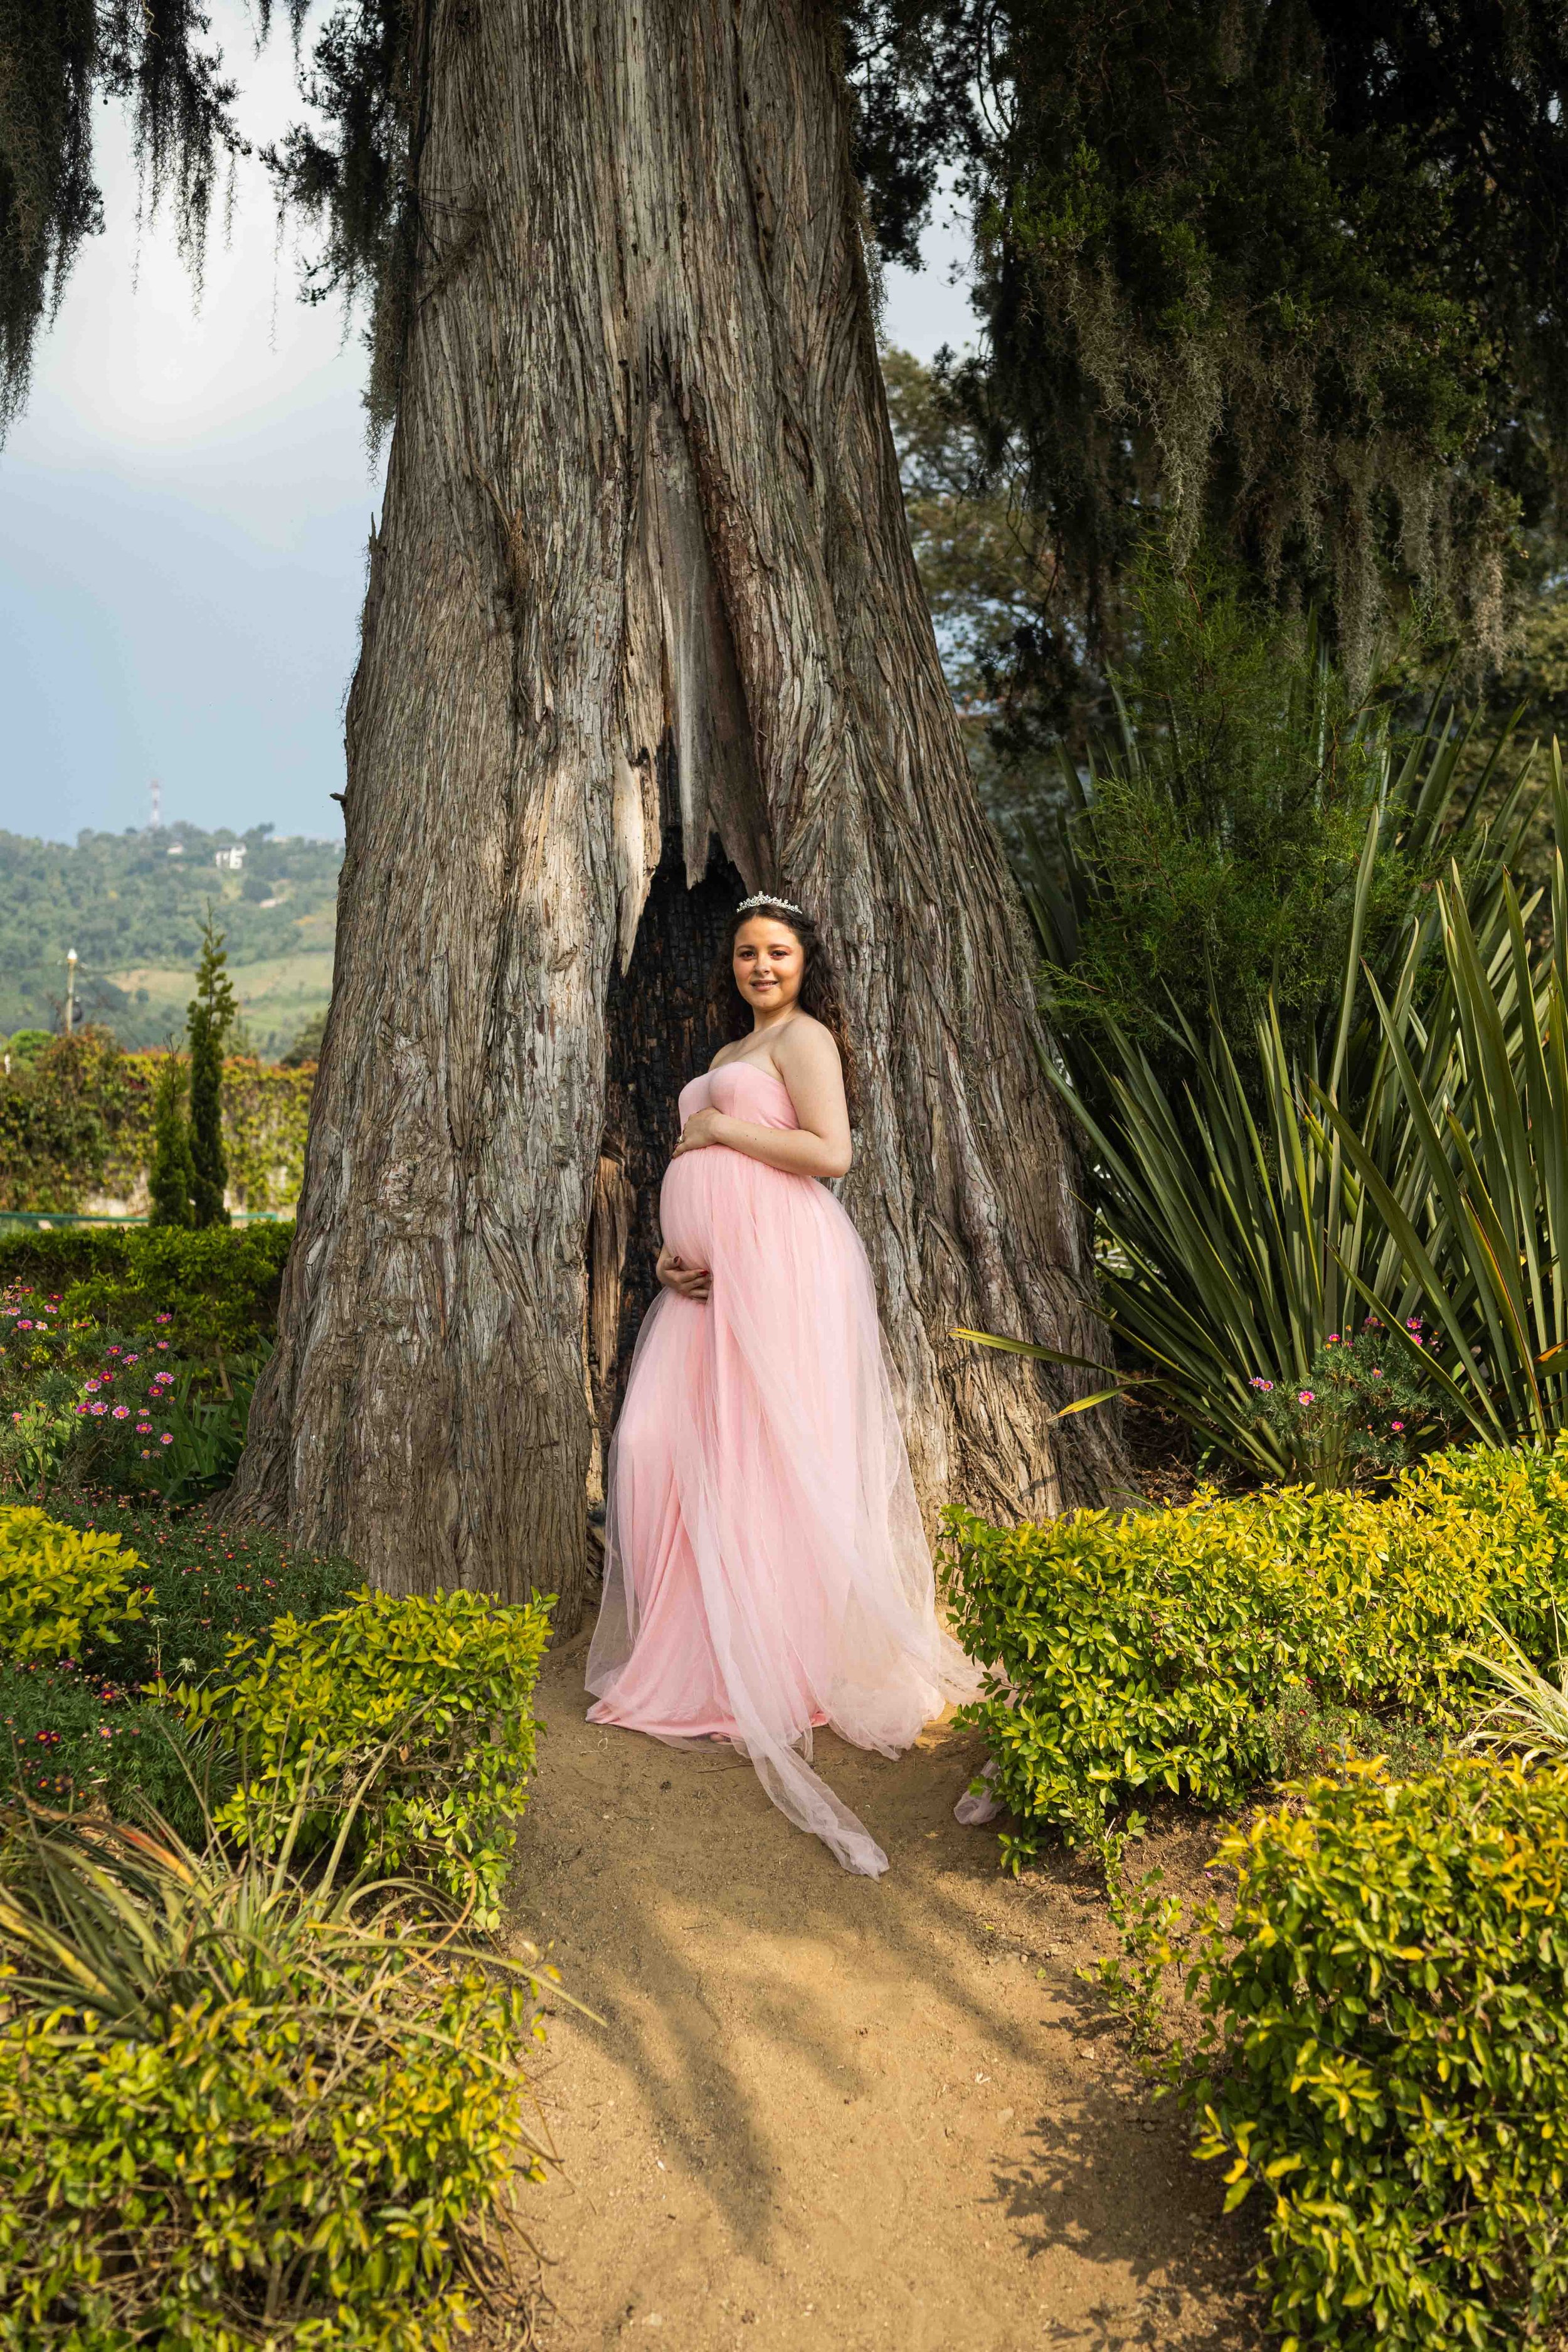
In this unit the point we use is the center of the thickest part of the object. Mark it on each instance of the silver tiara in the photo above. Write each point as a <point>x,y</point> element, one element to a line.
<point>766,899</point>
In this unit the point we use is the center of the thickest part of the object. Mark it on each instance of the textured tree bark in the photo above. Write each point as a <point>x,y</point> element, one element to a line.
<point>642,597</point>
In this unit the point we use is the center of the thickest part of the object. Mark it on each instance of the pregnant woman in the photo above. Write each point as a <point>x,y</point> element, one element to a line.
<point>766,1571</point>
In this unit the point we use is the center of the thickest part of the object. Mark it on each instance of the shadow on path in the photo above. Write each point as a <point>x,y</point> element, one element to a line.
<point>837,2110</point>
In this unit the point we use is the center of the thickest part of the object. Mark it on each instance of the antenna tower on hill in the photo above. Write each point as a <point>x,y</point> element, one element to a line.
<point>157,804</point>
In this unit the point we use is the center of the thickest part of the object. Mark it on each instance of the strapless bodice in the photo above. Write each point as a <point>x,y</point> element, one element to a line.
<point>740,1090</point>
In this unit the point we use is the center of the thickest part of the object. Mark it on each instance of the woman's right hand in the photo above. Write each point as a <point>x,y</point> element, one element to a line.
<point>685,1281</point>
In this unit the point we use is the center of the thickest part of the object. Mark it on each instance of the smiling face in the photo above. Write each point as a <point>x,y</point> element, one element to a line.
<point>769,964</point>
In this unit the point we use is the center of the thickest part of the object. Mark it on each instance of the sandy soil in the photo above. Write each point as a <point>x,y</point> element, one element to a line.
<point>828,2111</point>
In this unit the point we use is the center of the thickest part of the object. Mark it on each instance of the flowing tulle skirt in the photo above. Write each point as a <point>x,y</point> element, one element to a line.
<point>766,1569</point>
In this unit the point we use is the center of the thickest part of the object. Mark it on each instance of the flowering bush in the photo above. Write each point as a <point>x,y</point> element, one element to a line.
<point>1360,1413</point>
<point>126,1408</point>
<point>204,1586</point>
<point>69,1737</point>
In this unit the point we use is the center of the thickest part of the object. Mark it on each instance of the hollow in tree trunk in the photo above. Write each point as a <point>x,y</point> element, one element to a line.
<point>643,625</point>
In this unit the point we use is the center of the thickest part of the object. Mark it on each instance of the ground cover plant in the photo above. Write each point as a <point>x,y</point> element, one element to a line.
<point>1151,1653</point>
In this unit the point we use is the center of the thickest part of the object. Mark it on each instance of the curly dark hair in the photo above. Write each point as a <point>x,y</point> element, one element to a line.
<point>819,993</point>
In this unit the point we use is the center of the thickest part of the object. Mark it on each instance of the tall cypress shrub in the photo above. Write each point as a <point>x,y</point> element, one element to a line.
<point>209,1016</point>
<point>173,1178</point>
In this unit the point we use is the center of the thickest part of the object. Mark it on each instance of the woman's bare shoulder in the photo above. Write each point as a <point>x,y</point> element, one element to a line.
<point>807,1045</point>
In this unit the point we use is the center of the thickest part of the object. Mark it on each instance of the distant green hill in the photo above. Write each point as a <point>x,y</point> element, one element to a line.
<point>132,905</point>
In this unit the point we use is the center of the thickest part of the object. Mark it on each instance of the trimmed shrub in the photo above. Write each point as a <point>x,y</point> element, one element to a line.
<point>268,2125</point>
<point>62,1590</point>
<point>221,1285</point>
<point>1150,1652</point>
<point>73,1727</point>
<point>1387,2055</point>
<point>431,1692</point>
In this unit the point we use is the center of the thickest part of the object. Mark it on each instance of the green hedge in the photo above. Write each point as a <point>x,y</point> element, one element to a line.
<point>269,2123</point>
<point>1388,2056</point>
<point>434,1692</point>
<point>223,1283</point>
<point>78,1121</point>
<point>271,2118</point>
<point>1146,1652</point>
<point>62,1590</point>
<point>441,1685</point>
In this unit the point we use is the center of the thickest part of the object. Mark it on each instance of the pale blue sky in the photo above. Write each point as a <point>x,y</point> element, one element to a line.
<point>184,510</point>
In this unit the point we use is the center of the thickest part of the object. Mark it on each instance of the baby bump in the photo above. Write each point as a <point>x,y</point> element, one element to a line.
<point>686,1206</point>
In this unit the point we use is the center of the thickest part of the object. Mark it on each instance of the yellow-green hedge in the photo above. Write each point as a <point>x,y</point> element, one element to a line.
<point>61,1592</point>
<point>278,2130</point>
<point>1387,2059</point>
<point>1144,1653</point>
<point>439,1687</point>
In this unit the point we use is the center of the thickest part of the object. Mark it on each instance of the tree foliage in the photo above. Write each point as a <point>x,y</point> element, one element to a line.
<point>132,903</point>
<point>1283,273</point>
<point>171,1180</point>
<point>355,176</point>
<point>57,58</point>
<point>209,1018</point>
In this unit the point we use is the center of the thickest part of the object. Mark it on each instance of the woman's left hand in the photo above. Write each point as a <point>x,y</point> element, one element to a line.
<point>703,1128</point>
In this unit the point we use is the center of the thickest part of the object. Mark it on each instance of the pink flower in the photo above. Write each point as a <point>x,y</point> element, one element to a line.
<point>143,1428</point>
<point>93,1384</point>
<point>81,1408</point>
<point>122,1413</point>
<point>146,1454</point>
<point>1377,1372</point>
<point>1304,1396</point>
<point>15,1416</point>
<point>132,1360</point>
<point>24,1325</point>
<point>97,1405</point>
<point>163,1343</point>
<point>163,1319</point>
<point>1397,1424</point>
<point>111,1351</point>
<point>167,1438</point>
<point>1332,1340</point>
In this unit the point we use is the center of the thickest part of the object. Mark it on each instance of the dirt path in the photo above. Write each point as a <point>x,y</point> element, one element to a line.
<point>828,2111</point>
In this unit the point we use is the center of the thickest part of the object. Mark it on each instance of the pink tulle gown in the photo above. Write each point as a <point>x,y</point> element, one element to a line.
<point>765,1566</point>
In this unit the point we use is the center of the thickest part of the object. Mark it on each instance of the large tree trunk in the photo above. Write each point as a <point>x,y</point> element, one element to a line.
<point>642,620</point>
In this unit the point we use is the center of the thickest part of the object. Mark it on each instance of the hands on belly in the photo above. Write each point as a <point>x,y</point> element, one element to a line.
<point>685,1281</point>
